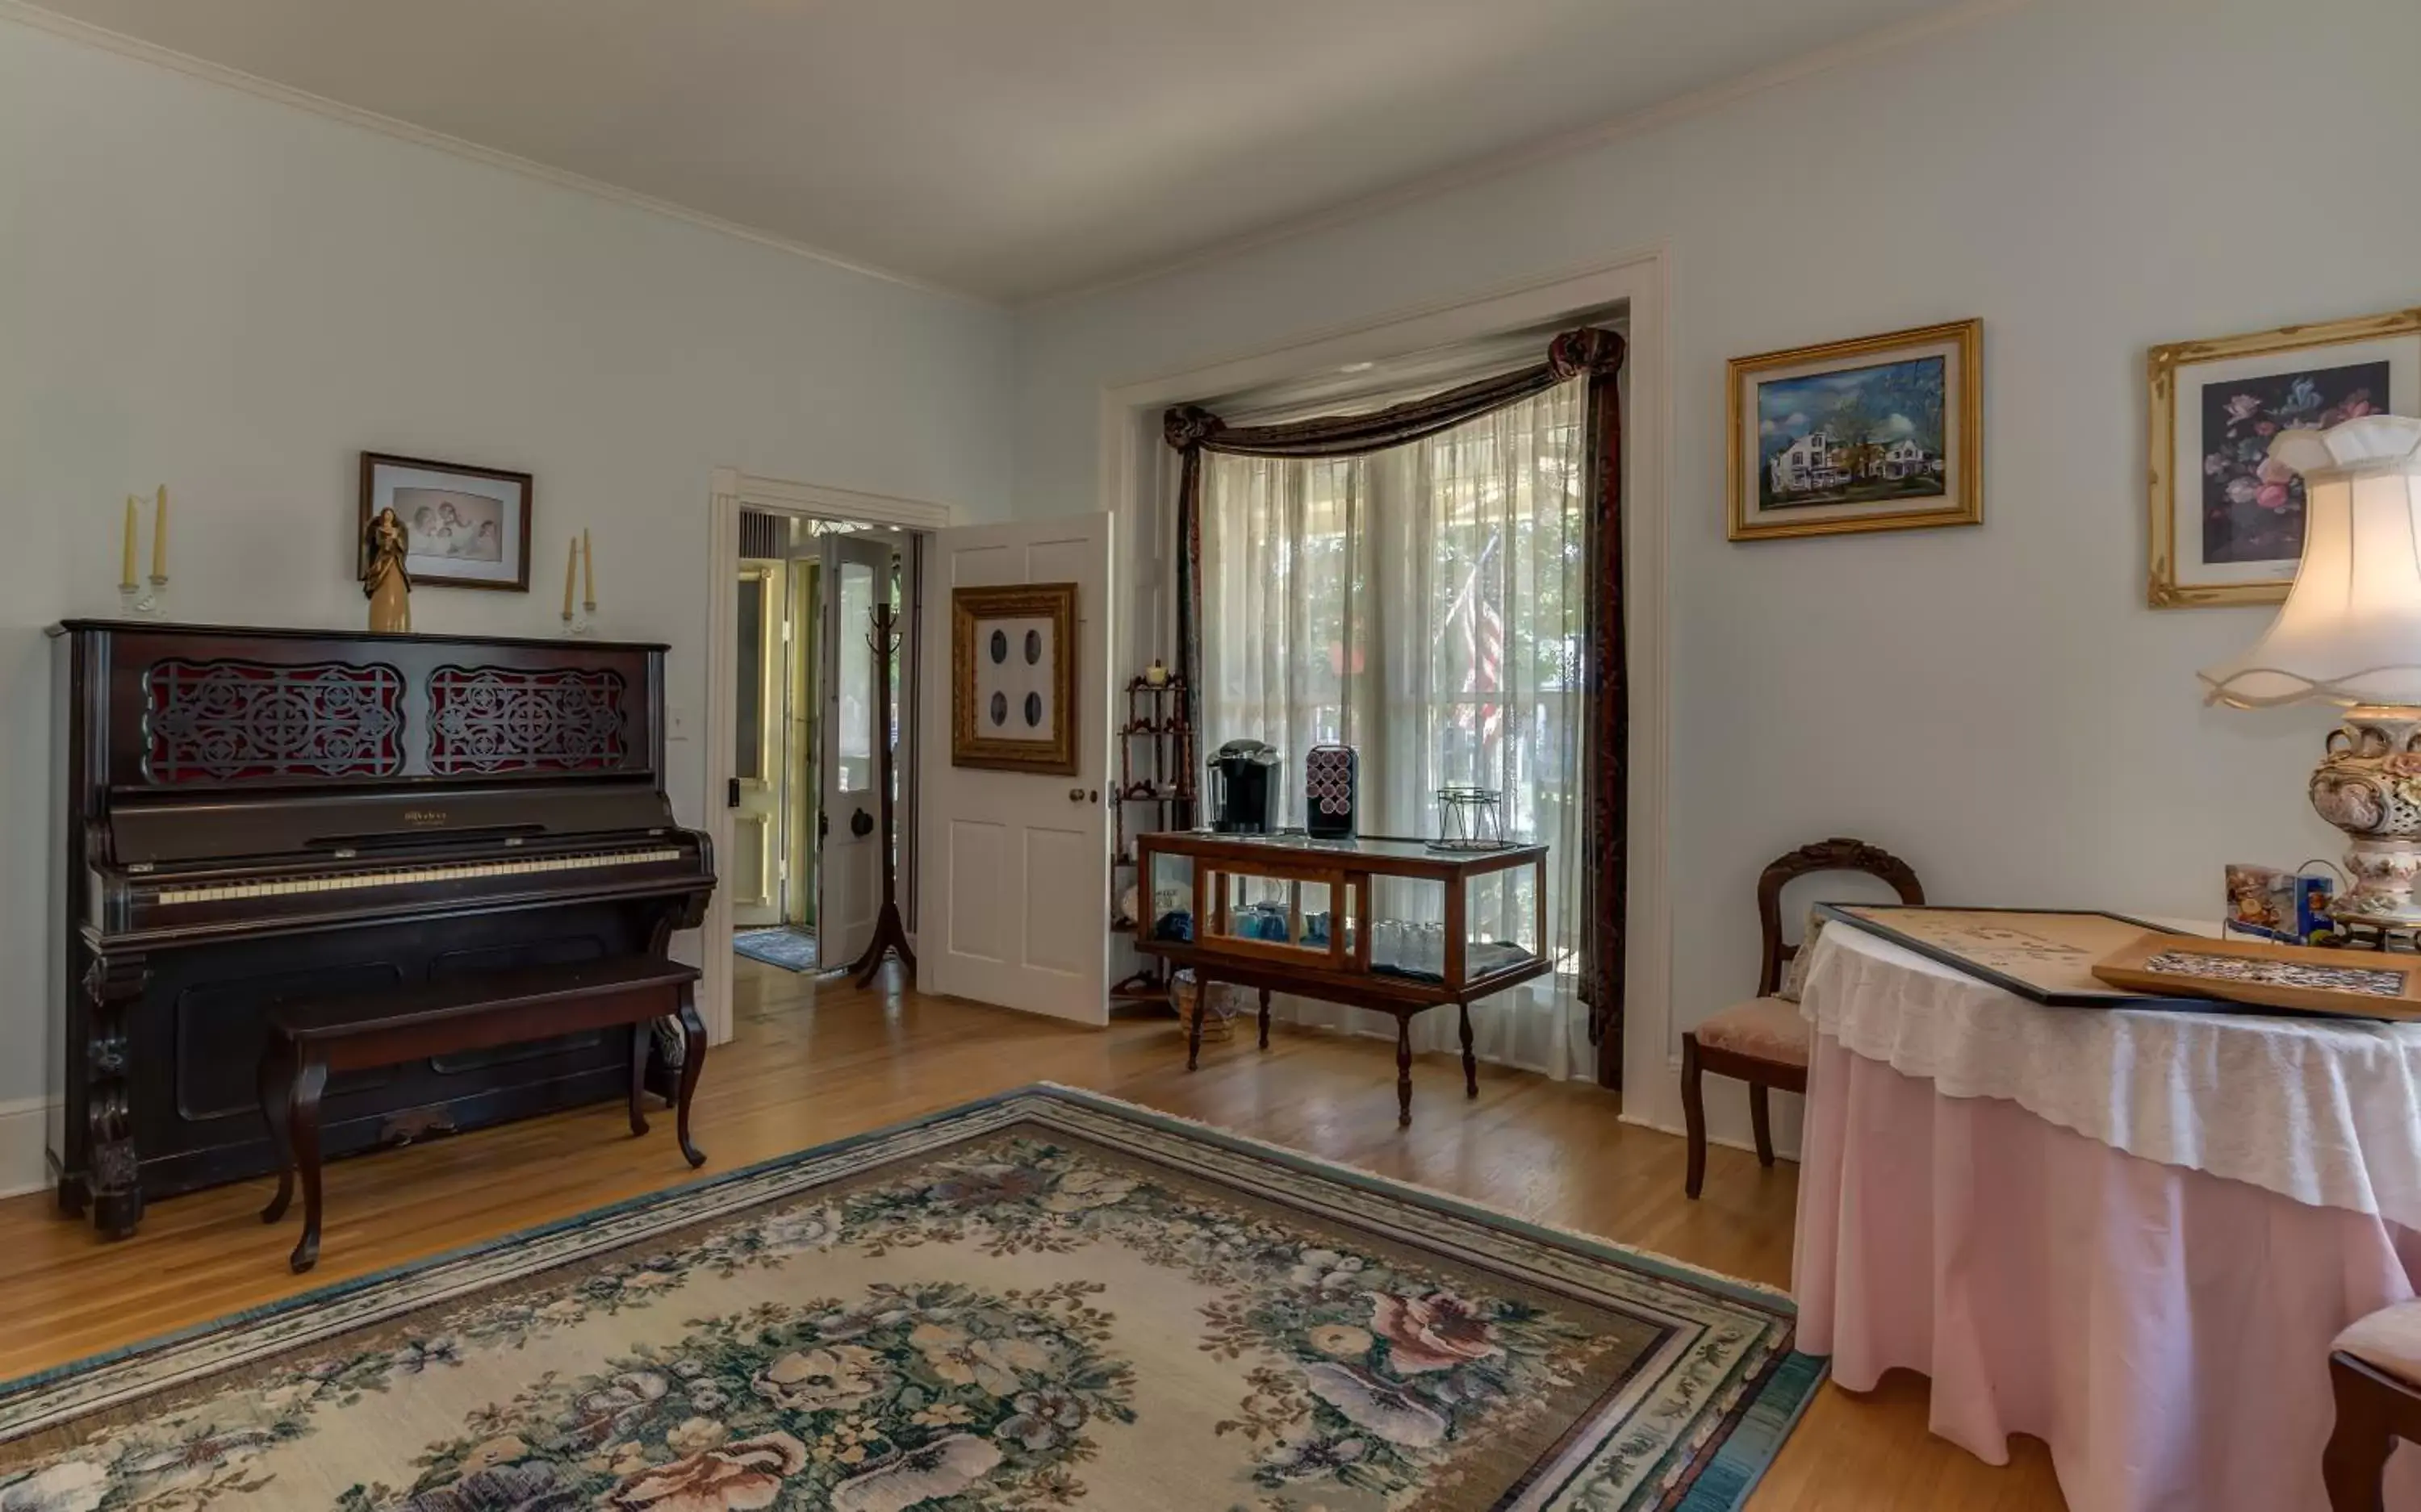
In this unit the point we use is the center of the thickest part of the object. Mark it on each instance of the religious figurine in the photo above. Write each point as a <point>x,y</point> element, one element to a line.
<point>384,582</point>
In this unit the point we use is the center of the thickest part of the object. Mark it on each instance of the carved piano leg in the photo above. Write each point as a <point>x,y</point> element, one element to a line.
<point>112,985</point>
<point>693,1063</point>
<point>1265,1018</point>
<point>643,1038</point>
<point>1405,1069</point>
<point>302,1118</point>
<point>276,1085</point>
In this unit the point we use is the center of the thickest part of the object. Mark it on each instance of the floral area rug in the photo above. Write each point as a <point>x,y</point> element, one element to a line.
<point>1049,1299</point>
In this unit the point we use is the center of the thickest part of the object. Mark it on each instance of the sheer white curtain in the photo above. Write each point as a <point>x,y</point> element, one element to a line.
<point>1425,605</point>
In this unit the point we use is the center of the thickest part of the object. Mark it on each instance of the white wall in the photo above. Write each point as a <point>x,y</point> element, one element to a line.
<point>237,297</point>
<point>2090,177</point>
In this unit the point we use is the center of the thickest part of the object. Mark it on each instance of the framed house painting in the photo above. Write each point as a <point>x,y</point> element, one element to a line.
<point>1882,433</point>
<point>466,527</point>
<point>1013,677</point>
<point>2227,523</point>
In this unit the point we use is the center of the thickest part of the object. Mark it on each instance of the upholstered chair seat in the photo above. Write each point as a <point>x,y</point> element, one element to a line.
<point>1765,1028</point>
<point>2375,1372</point>
<point>1764,1041</point>
<point>2389,1340</point>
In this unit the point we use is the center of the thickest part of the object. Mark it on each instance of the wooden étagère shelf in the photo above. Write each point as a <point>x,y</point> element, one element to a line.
<point>1155,779</point>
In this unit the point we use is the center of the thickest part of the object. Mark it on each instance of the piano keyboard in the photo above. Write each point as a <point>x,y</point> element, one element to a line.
<point>405,876</point>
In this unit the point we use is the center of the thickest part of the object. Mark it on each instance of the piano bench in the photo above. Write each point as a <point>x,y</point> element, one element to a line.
<point>364,1031</point>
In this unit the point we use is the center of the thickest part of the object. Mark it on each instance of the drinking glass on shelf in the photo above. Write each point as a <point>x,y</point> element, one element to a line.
<point>1388,943</point>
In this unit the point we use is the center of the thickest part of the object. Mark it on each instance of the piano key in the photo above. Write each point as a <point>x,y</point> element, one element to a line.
<point>410,876</point>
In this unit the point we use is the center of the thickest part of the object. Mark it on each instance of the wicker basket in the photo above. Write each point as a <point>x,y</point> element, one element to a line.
<point>1186,994</point>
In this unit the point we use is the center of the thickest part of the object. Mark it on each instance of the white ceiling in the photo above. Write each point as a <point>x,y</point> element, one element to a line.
<point>1005,148</point>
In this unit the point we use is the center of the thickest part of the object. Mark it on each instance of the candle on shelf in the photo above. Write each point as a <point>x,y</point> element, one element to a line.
<point>587,573</point>
<point>159,538</point>
<point>126,563</point>
<point>570,575</point>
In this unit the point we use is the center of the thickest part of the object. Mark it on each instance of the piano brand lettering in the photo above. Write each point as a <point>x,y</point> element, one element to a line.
<point>424,816</point>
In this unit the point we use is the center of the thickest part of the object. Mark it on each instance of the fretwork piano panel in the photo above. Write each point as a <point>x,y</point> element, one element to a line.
<point>180,706</point>
<point>490,720</point>
<point>235,721</point>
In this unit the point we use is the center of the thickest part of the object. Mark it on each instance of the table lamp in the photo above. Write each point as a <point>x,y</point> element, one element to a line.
<point>2350,633</point>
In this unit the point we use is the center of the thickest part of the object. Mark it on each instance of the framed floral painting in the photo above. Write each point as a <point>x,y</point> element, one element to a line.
<point>2227,522</point>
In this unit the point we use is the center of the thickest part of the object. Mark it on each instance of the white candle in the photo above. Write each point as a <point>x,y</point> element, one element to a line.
<point>587,573</point>
<point>159,538</point>
<point>570,575</point>
<point>126,562</point>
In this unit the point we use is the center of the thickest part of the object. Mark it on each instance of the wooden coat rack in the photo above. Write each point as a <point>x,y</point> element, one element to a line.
<point>890,929</point>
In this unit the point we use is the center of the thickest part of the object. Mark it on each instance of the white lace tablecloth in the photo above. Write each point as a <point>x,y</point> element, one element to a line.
<point>2325,1111</point>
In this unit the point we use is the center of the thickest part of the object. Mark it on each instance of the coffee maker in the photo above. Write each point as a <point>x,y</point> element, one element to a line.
<point>1245,787</point>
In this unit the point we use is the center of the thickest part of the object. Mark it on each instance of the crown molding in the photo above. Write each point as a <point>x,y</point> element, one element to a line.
<point>1897,35</point>
<point>34,16</point>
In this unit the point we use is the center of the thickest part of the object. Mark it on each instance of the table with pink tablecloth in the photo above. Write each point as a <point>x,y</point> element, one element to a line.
<point>2131,1233</point>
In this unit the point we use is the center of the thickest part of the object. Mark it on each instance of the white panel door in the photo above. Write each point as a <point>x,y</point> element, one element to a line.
<point>856,575</point>
<point>759,756</point>
<point>1013,901</point>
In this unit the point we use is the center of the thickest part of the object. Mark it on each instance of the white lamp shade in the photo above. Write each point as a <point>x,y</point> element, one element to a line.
<point>2350,631</point>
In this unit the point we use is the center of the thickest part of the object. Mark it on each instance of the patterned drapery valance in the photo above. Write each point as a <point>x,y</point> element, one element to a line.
<point>1586,353</point>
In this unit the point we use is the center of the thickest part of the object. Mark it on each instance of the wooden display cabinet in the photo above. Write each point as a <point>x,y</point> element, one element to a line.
<point>1371,922</point>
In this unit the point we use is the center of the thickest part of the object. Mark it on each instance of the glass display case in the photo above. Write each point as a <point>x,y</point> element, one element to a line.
<point>1394,925</point>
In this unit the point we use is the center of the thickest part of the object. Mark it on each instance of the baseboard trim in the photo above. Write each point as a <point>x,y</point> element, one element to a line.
<point>25,1126</point>
<point>1784,1149</point>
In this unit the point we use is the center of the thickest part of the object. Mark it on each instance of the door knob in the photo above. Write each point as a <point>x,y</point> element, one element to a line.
<point>1075,795</point>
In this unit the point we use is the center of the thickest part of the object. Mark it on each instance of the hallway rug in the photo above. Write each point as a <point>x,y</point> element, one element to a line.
<point>790,947</point>
<point>1048,1299</point>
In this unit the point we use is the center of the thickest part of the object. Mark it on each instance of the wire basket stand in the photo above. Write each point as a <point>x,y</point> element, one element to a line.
<point>1470,819</point>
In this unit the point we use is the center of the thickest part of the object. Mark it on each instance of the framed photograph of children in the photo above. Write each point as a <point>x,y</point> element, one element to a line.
<point>1882,433</point>
<point>2227,522</point>
<point>466,527</point>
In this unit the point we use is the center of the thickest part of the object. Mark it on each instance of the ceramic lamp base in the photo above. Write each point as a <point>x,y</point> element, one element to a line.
<point>2370,786</point>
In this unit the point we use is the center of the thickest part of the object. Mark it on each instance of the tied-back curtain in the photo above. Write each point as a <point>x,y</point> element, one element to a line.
<point>1437,583</point>
<point>1424,604</point>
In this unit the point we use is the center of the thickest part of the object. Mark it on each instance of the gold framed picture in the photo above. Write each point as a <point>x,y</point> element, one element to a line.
<point>2227,522</point>
<point>1013,677</point>
<point>1884,432</point>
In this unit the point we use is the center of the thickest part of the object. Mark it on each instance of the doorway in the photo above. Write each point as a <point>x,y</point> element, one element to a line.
<point>822,657</point>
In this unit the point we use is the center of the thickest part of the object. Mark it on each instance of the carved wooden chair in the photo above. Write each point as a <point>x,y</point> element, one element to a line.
<point>2376,1372</point>
<point>1764,1041</point>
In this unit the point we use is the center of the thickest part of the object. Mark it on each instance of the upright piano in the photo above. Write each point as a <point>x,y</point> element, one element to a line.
<point>245,817</point>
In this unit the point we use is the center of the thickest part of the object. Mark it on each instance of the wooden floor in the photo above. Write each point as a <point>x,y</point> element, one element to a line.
<point>811,1064</point>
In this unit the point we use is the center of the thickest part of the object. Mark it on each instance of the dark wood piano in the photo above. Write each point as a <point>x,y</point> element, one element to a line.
<point>248,816</point>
